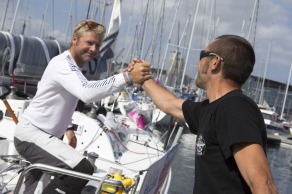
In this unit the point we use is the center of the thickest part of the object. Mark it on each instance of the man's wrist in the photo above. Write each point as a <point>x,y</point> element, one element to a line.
<point>128,78</point>
<point>70,128</point>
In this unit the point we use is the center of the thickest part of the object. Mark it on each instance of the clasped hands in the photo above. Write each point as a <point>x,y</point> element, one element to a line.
<point>139,71</point>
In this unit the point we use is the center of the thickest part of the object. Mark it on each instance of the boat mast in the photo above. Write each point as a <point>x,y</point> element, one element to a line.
<point>261,100</point>
<point>127,36</point>
<point>94,10</point>
<point>164,58</point>
<point>161,18</point>
<point>256,20</point>
<point>252,18</point>
<point>179,45</point>
<point>4,15</point>
<point>150,50</point>
<point>24,23</point>
<point>14,17</point>
<point>190,44</point>
<point>44,18</point>
<point>88,10</point>
<point>69,20</point>
<point>143,31</point>
<point>208,38</point>
<point>286,92</point>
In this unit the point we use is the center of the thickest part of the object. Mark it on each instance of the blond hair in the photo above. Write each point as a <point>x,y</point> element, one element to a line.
<point>84,26</point>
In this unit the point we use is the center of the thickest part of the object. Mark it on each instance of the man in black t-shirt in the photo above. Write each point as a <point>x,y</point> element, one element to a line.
<point>231,134</point>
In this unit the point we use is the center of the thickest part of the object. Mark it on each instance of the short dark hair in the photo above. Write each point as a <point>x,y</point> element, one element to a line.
<point>238,55</point>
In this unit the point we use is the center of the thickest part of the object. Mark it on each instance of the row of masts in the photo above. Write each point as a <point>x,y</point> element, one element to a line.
<point>183,46</point>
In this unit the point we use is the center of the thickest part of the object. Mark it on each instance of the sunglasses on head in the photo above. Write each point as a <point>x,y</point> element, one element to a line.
<point>90,25</point>
<point>208,54</point>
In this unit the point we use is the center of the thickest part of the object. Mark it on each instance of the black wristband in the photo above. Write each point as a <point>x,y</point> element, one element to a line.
<point>70,128</point>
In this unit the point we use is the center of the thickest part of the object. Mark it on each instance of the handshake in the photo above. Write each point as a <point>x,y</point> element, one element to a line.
<point>137,72</point>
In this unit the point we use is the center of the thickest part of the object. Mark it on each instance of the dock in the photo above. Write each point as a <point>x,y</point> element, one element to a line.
<point>284,141</point>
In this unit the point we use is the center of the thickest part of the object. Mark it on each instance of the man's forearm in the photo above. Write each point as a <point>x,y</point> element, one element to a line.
<point>160,96</point>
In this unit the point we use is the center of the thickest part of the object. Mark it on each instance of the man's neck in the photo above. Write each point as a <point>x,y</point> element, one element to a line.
<point>219,89</point>
<point>78,63</point>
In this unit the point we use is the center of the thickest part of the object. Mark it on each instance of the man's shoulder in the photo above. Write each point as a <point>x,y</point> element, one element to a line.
<point>64,57</point>
<point>237,95</point>
<point>238,101</point>
<point>61,56</point>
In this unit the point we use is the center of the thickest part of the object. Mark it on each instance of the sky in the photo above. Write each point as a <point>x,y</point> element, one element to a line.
<point>189,25</point>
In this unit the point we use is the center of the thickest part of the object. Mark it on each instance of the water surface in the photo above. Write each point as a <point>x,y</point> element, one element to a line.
<point>280,161</point>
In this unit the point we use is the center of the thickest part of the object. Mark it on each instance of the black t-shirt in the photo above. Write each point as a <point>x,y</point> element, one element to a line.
<point>233,118</point>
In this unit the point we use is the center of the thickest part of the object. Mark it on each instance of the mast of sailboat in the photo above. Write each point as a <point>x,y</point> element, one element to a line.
<point>179,45</point>
<point>14,17</point>
<point>157,32</point>
<point>258,84</point>
<point>69,20</point>
<point>143,31</point>
<point>168,42</point>
<point>131,48</point>
<point>44,19</point>
<point>128,31</point>
<point>94,10</point>
<point>160,36</point>
<point>208,38</point>
<point>252,18</point>
<point>261,100</point>
<point>190,44</point>
<point>286,92</point>
<point>256,20</point>
<point>4,15</point>
<point>150,50</point>
<point>174,64</point>
<point>242,28</point>
<point>24,23</point>
<point>103,12</point>
<point>88,10</point>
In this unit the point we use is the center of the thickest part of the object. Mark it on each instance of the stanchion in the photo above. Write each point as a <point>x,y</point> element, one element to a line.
<point>10,111</point>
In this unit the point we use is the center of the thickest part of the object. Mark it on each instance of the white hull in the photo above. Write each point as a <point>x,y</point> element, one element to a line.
<point>118,142</point>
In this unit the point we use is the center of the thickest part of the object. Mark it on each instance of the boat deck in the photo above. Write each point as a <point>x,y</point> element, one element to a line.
<point>280,140</point>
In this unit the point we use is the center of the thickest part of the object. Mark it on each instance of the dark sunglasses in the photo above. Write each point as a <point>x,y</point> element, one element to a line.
<point>208,54</point>
<point>90,25</point>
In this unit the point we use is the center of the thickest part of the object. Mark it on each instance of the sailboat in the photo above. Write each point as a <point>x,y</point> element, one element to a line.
<point>127,157</point>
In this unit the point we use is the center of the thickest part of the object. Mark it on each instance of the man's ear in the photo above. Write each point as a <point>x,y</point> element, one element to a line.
<point>216,64</point>
<point>74,38</point>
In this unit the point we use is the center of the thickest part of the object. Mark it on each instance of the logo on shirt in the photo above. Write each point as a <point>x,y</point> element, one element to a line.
<point>200,145</point>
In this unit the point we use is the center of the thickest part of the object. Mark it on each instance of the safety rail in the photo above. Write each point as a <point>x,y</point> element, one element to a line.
<point>72,173</point>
